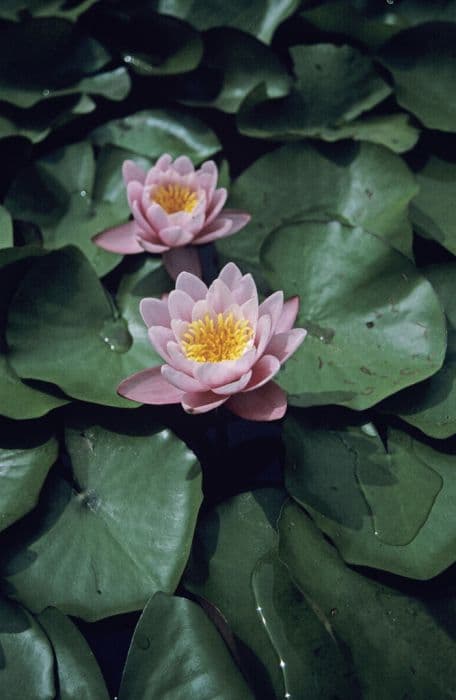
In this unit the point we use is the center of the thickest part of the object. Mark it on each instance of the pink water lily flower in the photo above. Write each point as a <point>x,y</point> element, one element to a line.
<point>174,207</point>
<point>219,346</point>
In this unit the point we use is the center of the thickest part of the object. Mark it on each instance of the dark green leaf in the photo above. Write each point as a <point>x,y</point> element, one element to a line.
<point>6,228</point>
<point>432,210</point>
<point>177,653</point>
<point>397,647</point>
<point>375,324</point>
<point>421,60</point>
<point>116,532</point>
<point>335,84</point>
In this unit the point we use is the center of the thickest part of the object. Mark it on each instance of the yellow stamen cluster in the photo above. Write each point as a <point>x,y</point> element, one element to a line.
<point>173,198</point>
<point>209,340</point>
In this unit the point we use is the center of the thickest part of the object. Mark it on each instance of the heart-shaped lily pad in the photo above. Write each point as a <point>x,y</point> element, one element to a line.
<point>124,549</point>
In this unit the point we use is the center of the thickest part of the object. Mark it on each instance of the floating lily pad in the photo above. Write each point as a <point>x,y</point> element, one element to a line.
<point>432,210</point>
<point>334,85</point>
<point>397,644</point>
<point>255,17</point>
<point>431,405</point>
<point>26,657</point>
<point>24,463</point>
<point>234,64</point>
<point>421,60</point>
<point>6,228</point>
<point>85,346</point>
<point>123,549</point>
<point>375,324</point>
<point>153,132</point>
<point>388,508</point>
<point>362,184</point>
<point>75,666</point>
<point>32,68</point>
<point>11,9</point>
<point>176,652</point>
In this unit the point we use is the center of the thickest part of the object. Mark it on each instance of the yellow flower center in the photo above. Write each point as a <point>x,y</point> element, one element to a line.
<point>173,198</point>
<point>209,340</point>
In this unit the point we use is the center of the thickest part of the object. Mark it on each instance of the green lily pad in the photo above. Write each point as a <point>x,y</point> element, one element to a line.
<point>397,645</point>
<point>421,61</point>
<point>32,68</point>
<point>255,17</point>
<point>375,324</point>
<point>432,210</point>
<point>85,347</point>
<point>6,228</point>
<point>152,132</point>
<point>123,549</point>
<point>234,64</point>
<point>431,405</point>
<point>365,185</point>
<point>11,9</point>
<point>76,668</point>
<point>19,400</point>
<point>25,460</point>
<point>388,508</point>
<point>224,552</point>
<point>176,652</point>
<point>334,85</point>
<point>26,657</point>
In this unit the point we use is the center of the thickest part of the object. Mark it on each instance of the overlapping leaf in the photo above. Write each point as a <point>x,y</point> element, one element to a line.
<point>123,518</point>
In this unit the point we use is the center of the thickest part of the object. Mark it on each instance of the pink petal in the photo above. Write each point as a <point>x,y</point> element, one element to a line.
<point>186,258</point>
<point>282,345</point>
<point>245,290</point>
<point>249,310</point>
<point>154,248</point>
<point>174,236</point>
<point>160,337</point>
<point>180,380</point>
<point>143,223</point>
<point>183,165</point>
<point>215,374</point>
<point>201,309</point>
<point>178,360</point>
<point>163,162</point>
<point>154,312</point>
<point>148,386</point>
<point>131,171</point>
<point>179,328</point>
<point>288,315</point>
<point>192,285</point>
<point>219,297</point>
<point>216,204</point>
<point>134,192</point>
<point>263,370</point>
<point>157,218</point>
<point>273,306</point>
<point>217,229</point>
<point>121,239</point>
<point>234,387</point>
<point>231,275</point>
<point>267,403</point>
<point>201,402</point>
<point>263,334</point>
<point>238,219</point>
<point>180,305</point>
<point>207,177</point>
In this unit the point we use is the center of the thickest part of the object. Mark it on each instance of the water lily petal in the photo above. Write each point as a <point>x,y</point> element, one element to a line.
<point>191,284</point>
<point>216,204</point>
<point>131,171</point>
<point>137,212</point>
<point>163,162</point>
<point>183,165</point>
<point>245,290</point>
<point>160,336</point>
<point>180,305</point>
<point>176,260</point>
<point>249,311</point>
<point>231,275</point>
<point>178,359</point>
<point>154,248</point>
<point>122,239</point>
<point>207,177</point>
<point>134,192</point>
<point>273,306</point>
<point>282,345</point>
<point>154,312</point>
<point>263,334</point>
<point>234,387</point>
<point>217,229</point>
<point>238,219</point>
<point>263,371</point>
<point>174,236</point>
<point>148,386</point>
<point>157,218</point>
<point>288,315</point>
<point>180,379</point>
<point>219,297</point>
<point>267,403</point>
<point>201,402</point>
<point>216,374</point>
